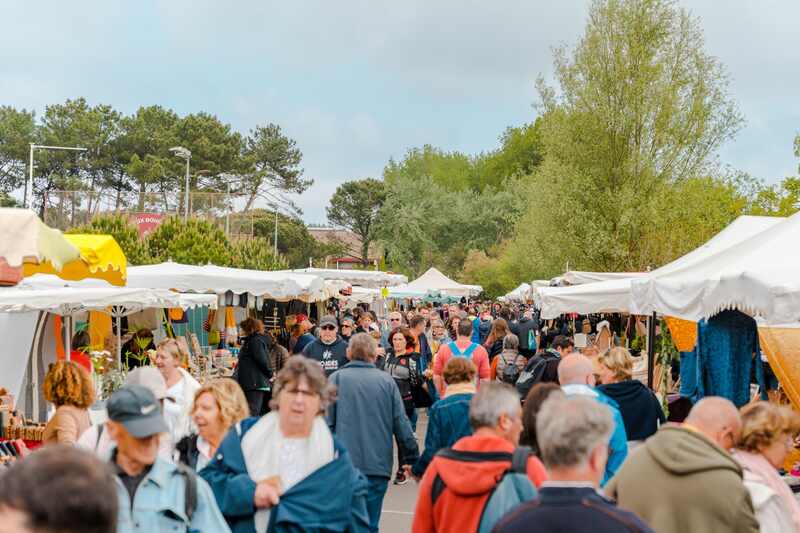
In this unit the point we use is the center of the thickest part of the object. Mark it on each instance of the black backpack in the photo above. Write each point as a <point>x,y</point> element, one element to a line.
<point>511,371</point>
<point>533,372</point>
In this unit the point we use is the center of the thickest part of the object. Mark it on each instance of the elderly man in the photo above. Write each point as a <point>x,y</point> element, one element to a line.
<point>688,471</point>
<point>460,480</point>
<point>576,376</point>
<point>395,321</point>
<point>153,494</point>
<point>368,412</point>
<point>574,432</point>
<point>329,350</point>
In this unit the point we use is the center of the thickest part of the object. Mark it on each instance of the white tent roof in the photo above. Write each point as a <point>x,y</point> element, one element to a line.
<point>68,300</point>
<point>760,276</point>
<point>219,280</point>
<point>519,294</point>
<point>614,296</point>
<point>434,281</point>
<point>577,277</point>
<point>364,278</point>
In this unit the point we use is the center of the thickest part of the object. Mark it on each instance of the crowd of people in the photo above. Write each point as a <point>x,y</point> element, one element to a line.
<point>524,433</point>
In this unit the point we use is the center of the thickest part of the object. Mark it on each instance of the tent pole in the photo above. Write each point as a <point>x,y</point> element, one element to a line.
<point>65,323</point>
<point>117,319</point>
<point>651,349</point>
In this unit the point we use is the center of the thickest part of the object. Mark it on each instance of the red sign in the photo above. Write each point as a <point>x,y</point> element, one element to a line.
<point>147,222</point>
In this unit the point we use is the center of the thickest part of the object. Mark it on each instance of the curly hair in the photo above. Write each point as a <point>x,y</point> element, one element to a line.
<point>67,383</point>
<point>297,367</point>
<point>764,423</point>
<point>230,400</point>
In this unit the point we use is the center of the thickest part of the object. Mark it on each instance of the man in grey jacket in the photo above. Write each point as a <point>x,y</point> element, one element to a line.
<point>368,412</point>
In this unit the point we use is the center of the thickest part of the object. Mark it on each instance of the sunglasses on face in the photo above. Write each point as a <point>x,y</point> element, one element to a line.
<point>329,328</point>
<point>394,320</point>
<point>347,325</point>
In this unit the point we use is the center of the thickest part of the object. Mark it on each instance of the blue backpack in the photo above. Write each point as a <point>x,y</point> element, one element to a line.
<point>458,353</point>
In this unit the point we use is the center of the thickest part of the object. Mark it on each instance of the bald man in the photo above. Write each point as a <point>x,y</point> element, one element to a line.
<point>683,478</point>
<point>576,376</point>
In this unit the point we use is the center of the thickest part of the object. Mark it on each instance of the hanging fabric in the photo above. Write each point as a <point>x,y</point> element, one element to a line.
<point>100,329</point>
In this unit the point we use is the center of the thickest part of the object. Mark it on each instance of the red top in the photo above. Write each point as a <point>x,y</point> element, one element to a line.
<point>80,358</point>
<point>459,508</point>
<point>479,356</point>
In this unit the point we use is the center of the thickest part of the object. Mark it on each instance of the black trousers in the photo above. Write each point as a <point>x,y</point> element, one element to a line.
<point>258,400</point>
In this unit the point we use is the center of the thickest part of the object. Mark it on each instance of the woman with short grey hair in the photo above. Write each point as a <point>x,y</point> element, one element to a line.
<point>509,364</point>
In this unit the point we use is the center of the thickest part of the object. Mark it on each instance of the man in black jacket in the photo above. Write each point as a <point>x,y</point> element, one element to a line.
<point>329,349</point>
<point>527,329</point>
<point>573,433</point>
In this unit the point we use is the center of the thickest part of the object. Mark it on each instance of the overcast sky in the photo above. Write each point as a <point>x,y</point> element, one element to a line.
<point>356,83</point>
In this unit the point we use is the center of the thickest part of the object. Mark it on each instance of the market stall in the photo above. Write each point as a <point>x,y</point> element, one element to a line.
<point>372,279</point>
<point>433,281</point>
<point>614,294</point>
<point>279,286</point>
<point>40,308</point>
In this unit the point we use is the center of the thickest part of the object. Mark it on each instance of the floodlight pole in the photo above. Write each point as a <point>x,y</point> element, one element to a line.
<point>27,201</point>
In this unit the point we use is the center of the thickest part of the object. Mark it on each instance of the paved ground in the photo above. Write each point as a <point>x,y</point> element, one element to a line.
<point>398,506</point>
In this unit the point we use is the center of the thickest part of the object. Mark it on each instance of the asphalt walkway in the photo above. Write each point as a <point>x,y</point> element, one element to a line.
<point>398,506</point>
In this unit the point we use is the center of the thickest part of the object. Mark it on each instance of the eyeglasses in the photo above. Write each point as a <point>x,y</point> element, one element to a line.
<point>347,326</point>
<point>302,392</point>
<point>394,320</point>
<point>328,328</point>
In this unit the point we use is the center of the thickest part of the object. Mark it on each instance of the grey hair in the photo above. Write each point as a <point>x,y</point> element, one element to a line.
<point>511,342</point>
<point>362,347</point>
<point>570,427</point>
<point>493,400</point>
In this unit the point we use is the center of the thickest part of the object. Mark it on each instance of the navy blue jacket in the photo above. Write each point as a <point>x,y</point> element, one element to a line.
<point>448,421</point>
<point>308,506</point>
<point>567,509</point>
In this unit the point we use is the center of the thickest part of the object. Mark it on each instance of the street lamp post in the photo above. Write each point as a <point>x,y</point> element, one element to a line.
<point>27,201</point>
<point>184,153</point>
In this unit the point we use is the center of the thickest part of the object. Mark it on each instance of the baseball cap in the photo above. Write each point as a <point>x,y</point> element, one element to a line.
<point>328,320</point>
<point>150,378</point>
<point>136,408</point>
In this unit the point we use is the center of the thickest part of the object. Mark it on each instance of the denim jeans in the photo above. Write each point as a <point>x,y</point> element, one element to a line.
<point>377,486</point>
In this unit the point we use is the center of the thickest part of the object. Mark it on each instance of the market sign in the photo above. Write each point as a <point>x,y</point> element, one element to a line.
<point>147,222</point>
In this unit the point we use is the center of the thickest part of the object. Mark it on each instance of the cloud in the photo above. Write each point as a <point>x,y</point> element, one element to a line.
<point>357,82</point>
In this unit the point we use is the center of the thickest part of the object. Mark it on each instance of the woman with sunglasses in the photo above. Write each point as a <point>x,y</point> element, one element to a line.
<point>347,328</point>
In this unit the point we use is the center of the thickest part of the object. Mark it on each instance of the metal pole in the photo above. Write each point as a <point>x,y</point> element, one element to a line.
<point>186,196</point>
<point>228,212</point>
<point>276,234</point>
<point>29,183</point>
<point>66,321</point>
<point>651,349</point>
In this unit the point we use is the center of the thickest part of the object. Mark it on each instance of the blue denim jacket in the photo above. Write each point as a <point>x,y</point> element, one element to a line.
<point>159,504</point>
<point>448,421</point>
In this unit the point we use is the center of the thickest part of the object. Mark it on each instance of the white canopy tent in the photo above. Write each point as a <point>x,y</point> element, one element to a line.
<point>363,278</point>
<point>760,276</point>
<point>433,281</point>
<point>281,286</point>
<point>614,295</point>
<point>519,294</point>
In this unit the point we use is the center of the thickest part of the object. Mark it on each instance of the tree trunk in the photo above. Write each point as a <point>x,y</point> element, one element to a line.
<point>364,252</point>
<point>141,196</point>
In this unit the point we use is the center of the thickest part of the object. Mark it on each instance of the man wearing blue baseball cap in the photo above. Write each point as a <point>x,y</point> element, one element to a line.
<point>154,494</point>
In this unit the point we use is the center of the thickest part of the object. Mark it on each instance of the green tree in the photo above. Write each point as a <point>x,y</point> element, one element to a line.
<point>355,206</point>
<point>192,242</point>
<point>255,254</point>
<point>451,170</point>
<point>273,166</point>
<point>295,243</point>
<point>781,200</point>
<point>639,106</point>
<point>17,131</point>
<point>125,233</point>
<point>521,151</point>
